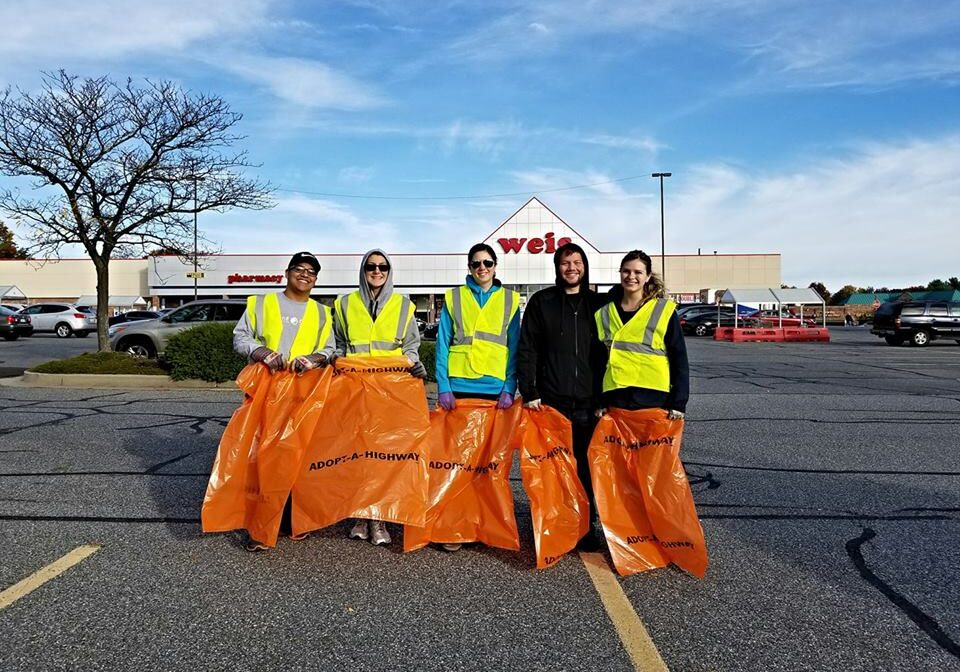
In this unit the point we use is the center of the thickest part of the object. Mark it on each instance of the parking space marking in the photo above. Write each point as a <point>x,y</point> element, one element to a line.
<point>641,649</point>
<point>41,576</point>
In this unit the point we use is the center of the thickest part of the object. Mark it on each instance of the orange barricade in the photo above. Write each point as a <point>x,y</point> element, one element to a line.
<point>642,493</point>
<point>254,470</point>
<point>470,498</point>
<point>558,502</point>
<point>366,447</point>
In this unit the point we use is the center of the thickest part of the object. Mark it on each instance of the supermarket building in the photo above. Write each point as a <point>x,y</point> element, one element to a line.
<point>524,243</point>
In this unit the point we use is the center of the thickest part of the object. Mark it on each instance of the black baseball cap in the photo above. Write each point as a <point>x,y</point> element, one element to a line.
<point>304,258</point>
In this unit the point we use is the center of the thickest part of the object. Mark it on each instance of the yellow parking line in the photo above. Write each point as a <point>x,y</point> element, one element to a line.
<point>641,649</point>
<point>41,576</point>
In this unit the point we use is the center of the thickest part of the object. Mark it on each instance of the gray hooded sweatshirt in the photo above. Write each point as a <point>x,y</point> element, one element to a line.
<point>411,339</point>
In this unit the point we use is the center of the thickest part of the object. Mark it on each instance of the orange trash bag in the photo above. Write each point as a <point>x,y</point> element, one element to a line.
<point>471,451</point>
<point>366,446</point>
<point>642,493</point>
<point>254,471</point>
<point>558,502</point>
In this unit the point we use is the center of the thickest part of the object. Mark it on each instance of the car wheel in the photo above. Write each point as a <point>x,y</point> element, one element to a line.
<point>920,338</point>
<point>63,330</point>
<point>138,348</point>
<point>701,330</point>
<point>893,340</point>
<point>11,337</point>
<point>81,334</point>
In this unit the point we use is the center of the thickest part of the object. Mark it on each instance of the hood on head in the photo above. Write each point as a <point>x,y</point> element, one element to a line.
<point>560,253</point>
<point>387,290</point>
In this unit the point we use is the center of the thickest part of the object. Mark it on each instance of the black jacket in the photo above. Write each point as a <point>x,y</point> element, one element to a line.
<point>560,354</point>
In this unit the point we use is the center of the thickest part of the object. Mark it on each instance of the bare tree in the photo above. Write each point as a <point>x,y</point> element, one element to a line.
<point>119,169</point>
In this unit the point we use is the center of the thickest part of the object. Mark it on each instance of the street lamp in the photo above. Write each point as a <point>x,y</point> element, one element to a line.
<point>195,252</point>
<point>663,243</point>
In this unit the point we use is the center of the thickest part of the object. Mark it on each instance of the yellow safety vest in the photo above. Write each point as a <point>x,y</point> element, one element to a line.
<point>373,338</point>
<point>638,356</point>
<point>479,345</point>
<point>263,312</point>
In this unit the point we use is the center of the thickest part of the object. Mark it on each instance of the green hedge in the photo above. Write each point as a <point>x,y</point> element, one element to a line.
<point>428,355</point>
<point>204,353</point>
<point>102,362</point>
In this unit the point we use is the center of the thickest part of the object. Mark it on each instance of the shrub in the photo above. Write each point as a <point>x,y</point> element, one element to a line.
<point>101,362</point>
<point>428,355</point>
<point>205,353</point>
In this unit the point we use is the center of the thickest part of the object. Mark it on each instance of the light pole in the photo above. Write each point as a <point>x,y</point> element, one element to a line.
<point>194,237</point>
<point>663,239</point>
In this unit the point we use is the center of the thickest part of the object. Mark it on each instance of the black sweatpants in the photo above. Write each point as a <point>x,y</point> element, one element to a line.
<point>584,422</point>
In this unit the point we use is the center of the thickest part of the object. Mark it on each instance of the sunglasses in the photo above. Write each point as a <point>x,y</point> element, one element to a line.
<point>488,263</point>
<point>370,268</point>
<point>307,272</point>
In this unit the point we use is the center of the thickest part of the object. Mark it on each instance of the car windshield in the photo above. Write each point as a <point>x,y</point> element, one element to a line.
<point>197,313</point>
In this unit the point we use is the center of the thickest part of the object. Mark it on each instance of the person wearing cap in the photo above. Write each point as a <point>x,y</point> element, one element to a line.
<point>559,357</point>
<point>287,330</point>
<point>376,322</point>
<point>477,338</point>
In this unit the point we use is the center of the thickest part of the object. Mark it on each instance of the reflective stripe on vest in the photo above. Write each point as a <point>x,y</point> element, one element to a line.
<point>638,356</point>
<point>479,346</point>
<point>263,311</point>
<point>366,336</point>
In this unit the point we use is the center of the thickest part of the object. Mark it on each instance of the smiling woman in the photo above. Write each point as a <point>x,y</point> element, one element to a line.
<point>647,358</point>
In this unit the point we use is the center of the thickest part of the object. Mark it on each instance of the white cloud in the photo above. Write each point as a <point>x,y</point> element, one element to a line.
<point>355,174</point>
<point>60,29</point>
<point>885,214</point>
<point>640,144</point>
<point>304,82</point>
<point>790,44</point>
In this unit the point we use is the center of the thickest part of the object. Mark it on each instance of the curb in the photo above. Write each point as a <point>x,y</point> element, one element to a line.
<point>126,381</point>
<point>114,381</point>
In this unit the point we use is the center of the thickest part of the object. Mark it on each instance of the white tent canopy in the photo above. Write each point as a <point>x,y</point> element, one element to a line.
<point>804,296</point>
<point>114,301</point>
<point>11,293</point>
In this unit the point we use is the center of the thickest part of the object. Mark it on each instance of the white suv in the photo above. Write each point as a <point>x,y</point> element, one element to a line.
<point>63,319</point>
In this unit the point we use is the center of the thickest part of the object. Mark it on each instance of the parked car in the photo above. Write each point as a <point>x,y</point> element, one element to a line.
<point>430,331</point>
<point>13,307</point>
<point>63,319</point>
<point>771,318</point>
<point>684,308</point>
<point>148,338</point>
<point>133,316</point>
<point>917,322</point>
<point>13,325</point>
<point>705,323</point>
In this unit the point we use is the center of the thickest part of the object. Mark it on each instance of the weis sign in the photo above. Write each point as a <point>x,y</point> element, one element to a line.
<point>533,245</point>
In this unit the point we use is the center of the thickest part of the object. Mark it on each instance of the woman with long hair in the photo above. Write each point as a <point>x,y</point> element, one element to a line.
<point>646,355</point>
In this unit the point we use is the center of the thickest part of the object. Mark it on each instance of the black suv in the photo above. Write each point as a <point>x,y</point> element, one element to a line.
<point>917,322</point>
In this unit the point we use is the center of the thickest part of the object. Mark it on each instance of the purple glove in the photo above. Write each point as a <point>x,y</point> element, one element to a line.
<point>505,400</point>
<point>447,401</point>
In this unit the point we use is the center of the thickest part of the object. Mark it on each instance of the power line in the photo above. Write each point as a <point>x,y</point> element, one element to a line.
<point>457,198</point>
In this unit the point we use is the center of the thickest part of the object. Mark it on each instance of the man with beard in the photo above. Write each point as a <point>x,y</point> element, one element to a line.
<point>560,355</point>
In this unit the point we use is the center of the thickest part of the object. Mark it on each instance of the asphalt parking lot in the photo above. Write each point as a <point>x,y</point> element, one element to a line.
<point>21,354</point>
<point>827,477</point>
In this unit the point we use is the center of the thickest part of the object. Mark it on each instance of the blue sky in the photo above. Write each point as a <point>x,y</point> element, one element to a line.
<point>828,132</point>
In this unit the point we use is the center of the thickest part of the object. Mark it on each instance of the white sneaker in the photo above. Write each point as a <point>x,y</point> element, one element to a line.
<point>360,530</point>
<point>452,548</point>
<point>378,533</point>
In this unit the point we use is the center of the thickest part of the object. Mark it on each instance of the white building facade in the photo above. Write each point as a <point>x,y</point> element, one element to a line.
<point>524,244</point>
